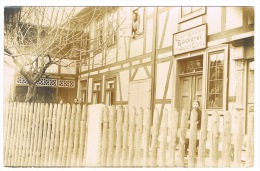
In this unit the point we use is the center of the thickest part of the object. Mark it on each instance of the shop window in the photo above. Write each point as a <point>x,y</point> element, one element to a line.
<point>110,91</point>
<point>98,36</point>
<point>190,12</point>
<point>97,92</point>
<point>137,22</point>
<point>215,80</point>
<point>191,65</point>
<point>112,27</point>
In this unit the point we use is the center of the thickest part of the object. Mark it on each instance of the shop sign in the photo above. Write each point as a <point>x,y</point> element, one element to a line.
<point>190,40</point>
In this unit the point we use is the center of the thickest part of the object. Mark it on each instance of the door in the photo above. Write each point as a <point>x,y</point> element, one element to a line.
<point>139,94</point>
<point>191,89</point>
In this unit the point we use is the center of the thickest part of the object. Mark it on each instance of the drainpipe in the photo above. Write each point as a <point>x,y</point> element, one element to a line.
<point>154,64</point>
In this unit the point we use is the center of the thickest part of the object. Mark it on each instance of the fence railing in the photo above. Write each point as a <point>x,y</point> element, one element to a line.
<point>37,134</point>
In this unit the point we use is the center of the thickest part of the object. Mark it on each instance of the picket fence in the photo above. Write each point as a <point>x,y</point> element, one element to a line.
<point>48,135</point>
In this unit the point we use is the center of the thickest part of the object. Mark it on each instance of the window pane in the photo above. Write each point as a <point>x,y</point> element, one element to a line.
<point>215,80</point>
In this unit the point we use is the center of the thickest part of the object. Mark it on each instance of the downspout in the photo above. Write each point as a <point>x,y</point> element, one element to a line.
<point>154,64</point>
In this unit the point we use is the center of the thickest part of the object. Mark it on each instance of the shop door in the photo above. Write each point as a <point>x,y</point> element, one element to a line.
<point>191,89</point>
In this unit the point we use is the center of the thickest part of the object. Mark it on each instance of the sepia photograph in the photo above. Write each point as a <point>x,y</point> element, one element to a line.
<point>128,86</point>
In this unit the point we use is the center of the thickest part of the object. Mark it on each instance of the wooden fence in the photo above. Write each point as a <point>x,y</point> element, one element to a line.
<point>37,134</point>
<point>56,135</point>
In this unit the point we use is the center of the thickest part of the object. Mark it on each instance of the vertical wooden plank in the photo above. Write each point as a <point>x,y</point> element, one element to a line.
<point>193,138</point>
<point>214,139</point>
<point>8,134</point>
<point>163,139</point>
<point>48,136</point>
<point>183,129</point>
<point>57,136</point>
<point>66,135</point>
<point>82,135</point>
<point>238,139</point>
<point>71,135</point>
<point>53,129</point>
<point>45,127</point>
<point>111,138</point>
<point>21,135</point>
<point>76,136</point>
<point>154,143</point>
<point>131,137</point>
<point>12,129</point>
<point>40,134</point>
<point>146,133</point>
<point>36,136</point>
<point>29,137</point>
<point>16,135</point>
<point>25,131</point>
<point>173,127</point>
<point>138,136</point>
<point>202,139</point>
<point>118,136</point>
<point>7,107</point>
<point>125,137</point>
<point>104,137</point>
<point>62,132</point>
<point>250,140</point>
<point>226,140</point>
<point>86,139</point>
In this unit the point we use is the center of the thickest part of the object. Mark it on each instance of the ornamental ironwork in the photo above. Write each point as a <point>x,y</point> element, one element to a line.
<point>66,83</point>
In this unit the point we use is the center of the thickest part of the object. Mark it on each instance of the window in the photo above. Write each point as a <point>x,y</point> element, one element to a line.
<point>187,13</point>
<point>85,43</point>
<point>215,80</point>
<point>112,27</point>
<point>97,92</point>
<point>110,91</point>
<point>84,91</point>
<point>137,22</point>
<point>191,65</point>
<point>98,36</point>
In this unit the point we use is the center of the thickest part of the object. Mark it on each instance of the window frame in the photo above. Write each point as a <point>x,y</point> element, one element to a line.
<point>140,19</point>
<point>112,25</point>
<point>191,15</point>
<point>84,90</point>
<point>113,78</point>
<point>212,50</point>
<point>99,35</point>
<point>99,91</point>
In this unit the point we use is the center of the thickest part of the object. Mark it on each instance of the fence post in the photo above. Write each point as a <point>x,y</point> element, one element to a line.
<point>111,139</point>
<point>214,139</point>
<point>104,137</point>
<point>154,144</point>
<point>173,128</point>
<point>29,137</point>
<point>66,135</point>
<point>193,138</point>
<point>48,136</point>
<point>250,140</point>
<point>238,139</point>
<point>53,128</point>
<point>146,132</point>
<point>8,134</point>
<point>76,136</point>
<point>125,136</point>
<point>39,144</point>
<point>16,137</point>
<point>226,140</point>
<point>131,137</point>
<point>82,135</point>
<point>202,139</point>
<point>45,126</point>
<point>138,136</point>
<point>71,135</point>
<point>163,139</point>
<point>62,132</point>
<point>118,136</point>
<point>86,139</point>
<point>183,129</point>
<point>7,119</point>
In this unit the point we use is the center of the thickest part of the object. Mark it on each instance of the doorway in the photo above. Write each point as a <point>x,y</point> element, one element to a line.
<point>191,79</point>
